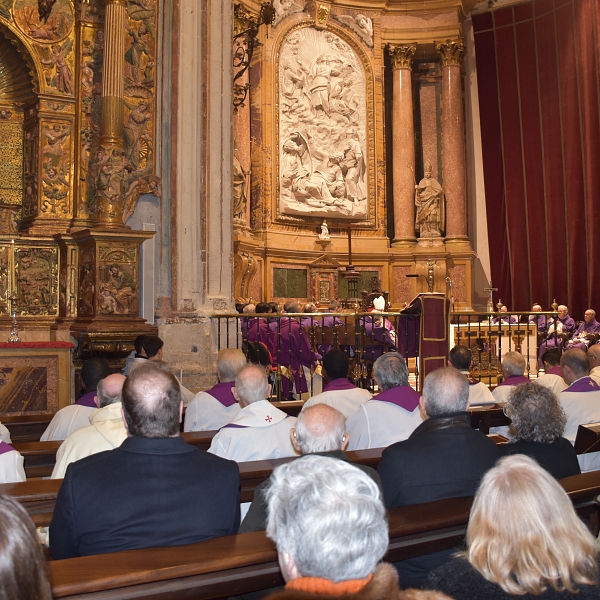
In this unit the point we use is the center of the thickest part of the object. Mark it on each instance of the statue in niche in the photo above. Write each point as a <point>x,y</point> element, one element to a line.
<point>429,201</point>
<point>324,235</point>
<point>322,127</point>
<point>240,196</point>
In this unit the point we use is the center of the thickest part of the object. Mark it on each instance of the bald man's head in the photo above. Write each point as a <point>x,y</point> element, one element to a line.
<point>594,356</point>
<point>152,403</point>
<point>110,389</point>
<point>320,428</point>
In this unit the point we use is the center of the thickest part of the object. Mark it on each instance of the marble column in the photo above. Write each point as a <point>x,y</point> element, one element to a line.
<point>109,184</point>
<point>453,141</point>
<point>403,146</point>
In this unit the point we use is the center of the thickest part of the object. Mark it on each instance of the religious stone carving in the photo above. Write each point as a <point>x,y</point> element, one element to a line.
<point>360,24</point>
<point>284,8</point>
<point>36,278</point>
<point>322,127</point>
<point>324,235</point>
<point>429,200</point>
<point>240,191</point>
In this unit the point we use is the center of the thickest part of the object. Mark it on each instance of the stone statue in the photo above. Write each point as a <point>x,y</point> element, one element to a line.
<point>429,200</point>
<point>239,189</point>
<point>324,235</point>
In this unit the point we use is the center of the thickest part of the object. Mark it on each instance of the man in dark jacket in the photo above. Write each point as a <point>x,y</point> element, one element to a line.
<point>443,458</point>
<point>154,490</point>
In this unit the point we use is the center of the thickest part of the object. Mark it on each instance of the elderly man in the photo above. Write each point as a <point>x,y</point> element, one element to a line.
<point>329,525</point>
<point>563,324</point>
<point>77,415</point>
<point>260,430</point>
<point>552,377</point>
<point>378,331</point>
<point>505,319</point>
<point>390,416</point>
<point>581,338</point>
<point>594,358</point>
<point>442,458</point>
<point>11,464</point>
<point>257,327</point>
<point>338,392</point>
<point>513,371</point>
<point>216,407</point>
<point>320,430</point>
<point>461,358</point>
<point>154,490</point>
<point>105,432</point>
<point>290,348</point>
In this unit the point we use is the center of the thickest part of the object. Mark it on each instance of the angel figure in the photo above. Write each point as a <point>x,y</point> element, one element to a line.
<point>360,24</point>
<point>63,75</point>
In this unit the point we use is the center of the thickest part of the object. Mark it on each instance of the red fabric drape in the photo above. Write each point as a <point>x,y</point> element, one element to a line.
<point>538,70</point>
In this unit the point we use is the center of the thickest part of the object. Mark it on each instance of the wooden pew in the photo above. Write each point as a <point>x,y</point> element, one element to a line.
<point>485,417</point>
<point>588,438</point>
<point>248,562</point>
<point>40,457</point>
<point>26,428</point>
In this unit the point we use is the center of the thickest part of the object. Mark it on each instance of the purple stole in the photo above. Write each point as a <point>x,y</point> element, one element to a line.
<point>88,400</point>
<point>585,384</point>
<point>401,395</point>
<point>555,371</point>
<point>515,380</point>
<point>222,392</point>
<point>339,384</point>
<point>4,448</point>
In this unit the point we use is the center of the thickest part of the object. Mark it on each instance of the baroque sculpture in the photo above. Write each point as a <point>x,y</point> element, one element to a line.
<point>322,127</point>
<point>429,200</point>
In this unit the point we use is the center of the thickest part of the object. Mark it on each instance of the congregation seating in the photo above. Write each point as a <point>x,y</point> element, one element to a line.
<point>247,562</point>
<point>26,428</point>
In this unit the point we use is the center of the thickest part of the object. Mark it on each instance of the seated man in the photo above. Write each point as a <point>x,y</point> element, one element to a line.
<point>77,415</point>
<point>378,332</point>
<point>505,319</point>
<point>216,407</point>
<point>594,358</point>
<point>461,358</point>
<point>249,309</point>
<point>257,328</point>
<point>552,377</point>
<point>329,524</point>
<point>390,416</point>
<point>329,321</point>
<point>290,348</point>
<point>147,347</point>
<point>564,324</point>
<point>11,464</point>
<point>260,430</point>
<point>584,334</point>
<point>154,490</point>
<point>312,316</point>
<point>320,430</point>
<point>105,432</point>
<point>513,369</point>
<point>442,458</point>
<point>338,391</point>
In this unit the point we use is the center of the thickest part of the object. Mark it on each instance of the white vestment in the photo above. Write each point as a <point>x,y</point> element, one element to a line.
<point>258,432</point>
<point>582,407</point>
<point>501,393</point>
<point>346,401</point>
<point>66,421</point>
<point>479,393</point>
<point>4,434</point>
<point>11,464</point>
<point>106,432</point>
<point>595,374</point>
<point>379,424</point>
<point>206,413</point>
<point>555,383</point>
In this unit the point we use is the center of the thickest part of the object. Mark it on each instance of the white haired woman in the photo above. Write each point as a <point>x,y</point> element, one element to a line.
<point>524,540</point>
<point>537,424</point>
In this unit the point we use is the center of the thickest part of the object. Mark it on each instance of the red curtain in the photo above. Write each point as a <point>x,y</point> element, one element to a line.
<point>538,72</point>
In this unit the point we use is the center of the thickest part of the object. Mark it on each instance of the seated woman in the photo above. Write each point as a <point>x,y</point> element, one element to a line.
<point>524,540</point>
<point>22,574</point>
<point>538,422</point>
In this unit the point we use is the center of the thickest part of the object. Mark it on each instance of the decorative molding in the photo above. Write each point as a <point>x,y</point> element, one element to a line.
<point>402,55</point>
<point>451,52</point>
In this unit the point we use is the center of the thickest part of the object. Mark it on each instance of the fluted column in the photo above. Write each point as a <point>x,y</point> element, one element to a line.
<point>403,146</point>
<point>109,185</point>
<point>453,141</point>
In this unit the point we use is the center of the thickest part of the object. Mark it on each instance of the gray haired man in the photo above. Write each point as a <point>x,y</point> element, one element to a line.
<point>328,522</point>
<point>320,429</point>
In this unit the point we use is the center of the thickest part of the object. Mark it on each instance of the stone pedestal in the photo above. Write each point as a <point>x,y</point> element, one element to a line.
<point>403,146</point>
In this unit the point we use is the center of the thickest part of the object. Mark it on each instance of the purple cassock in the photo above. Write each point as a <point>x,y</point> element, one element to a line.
<point>568,326</point>
<point>290,348</point>
<point>508,320</point>
<point>592,327</point>
<point>330,322</point>
<point>257,331</point>
<point>310,320</point>
<point>540,321</point>
<point>88,400</point>
<point>377,329</point>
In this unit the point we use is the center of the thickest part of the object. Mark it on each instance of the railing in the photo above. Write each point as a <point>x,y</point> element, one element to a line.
<point>293,344</point>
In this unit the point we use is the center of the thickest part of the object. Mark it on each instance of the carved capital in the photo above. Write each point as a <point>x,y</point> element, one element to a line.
<point>402,55</point>
<point>451,52</point>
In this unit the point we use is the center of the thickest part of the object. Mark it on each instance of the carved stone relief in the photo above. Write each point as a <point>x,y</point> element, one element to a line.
<point>56,168</point>
<point>322,127</point>
<point>36,277</point>
<point>284,8</point>
<point>360,24</point>
<point>117,281</point>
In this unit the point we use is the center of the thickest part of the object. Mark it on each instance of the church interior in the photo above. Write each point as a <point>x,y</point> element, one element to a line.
<point>166,163</point>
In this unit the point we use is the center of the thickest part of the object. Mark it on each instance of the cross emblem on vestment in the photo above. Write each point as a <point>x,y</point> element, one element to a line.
<point>268,419</point>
